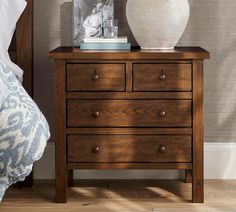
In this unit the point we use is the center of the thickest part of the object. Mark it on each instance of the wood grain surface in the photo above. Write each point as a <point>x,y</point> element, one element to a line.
<point>162,77</point>
<point>129,113</point>
<point>198,132</point>
<point>129,148</point>
<point>180,53</point>
<point>129,95</point>
<point>161,120</point>
<point>96,77</point>
<point>122,195</point>
<point>24,46</point>
<point>60,136</point>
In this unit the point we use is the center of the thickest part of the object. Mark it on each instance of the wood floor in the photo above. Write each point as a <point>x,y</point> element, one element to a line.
<point>123,196</point>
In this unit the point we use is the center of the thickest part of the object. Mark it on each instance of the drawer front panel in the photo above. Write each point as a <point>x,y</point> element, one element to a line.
<point>129,148</point>
<point>95,77</point>
<point>162,77</point>
<point>129,113</point>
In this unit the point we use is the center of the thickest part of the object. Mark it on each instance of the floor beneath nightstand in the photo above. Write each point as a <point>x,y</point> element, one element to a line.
<point>123,196</point>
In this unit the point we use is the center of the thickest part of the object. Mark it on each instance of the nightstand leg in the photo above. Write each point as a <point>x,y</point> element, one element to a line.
<point>60,133</point>
<point>61,187</point>
<point>198,133</point>
<point>70,178</point>
<point>198,189</point>
<point>188,176</point>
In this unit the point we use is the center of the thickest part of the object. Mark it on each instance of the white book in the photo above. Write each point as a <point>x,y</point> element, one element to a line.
<point>105,40</point>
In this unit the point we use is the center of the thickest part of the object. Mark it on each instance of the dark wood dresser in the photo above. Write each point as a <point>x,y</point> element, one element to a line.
<point>129,110</point>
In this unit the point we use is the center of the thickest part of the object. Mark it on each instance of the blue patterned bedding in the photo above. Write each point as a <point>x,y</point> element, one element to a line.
<point>23,130</point>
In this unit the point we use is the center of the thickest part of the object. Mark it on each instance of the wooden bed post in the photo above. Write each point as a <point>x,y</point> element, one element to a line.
<point>24,46</point>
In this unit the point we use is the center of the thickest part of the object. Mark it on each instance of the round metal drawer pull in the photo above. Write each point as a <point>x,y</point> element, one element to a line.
<point>96,77</point>
<point>163,113</point>
<point>163,77</point>
<point>162,149</point>
<point>96,114</point>
<point>96,149</point>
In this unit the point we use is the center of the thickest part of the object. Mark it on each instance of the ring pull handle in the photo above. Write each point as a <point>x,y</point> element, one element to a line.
<point>163,76</point>
<point>96,77</point>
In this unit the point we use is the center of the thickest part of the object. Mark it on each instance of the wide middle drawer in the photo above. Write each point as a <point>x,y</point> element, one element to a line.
<point>95,77</point>
<point>129,113</point>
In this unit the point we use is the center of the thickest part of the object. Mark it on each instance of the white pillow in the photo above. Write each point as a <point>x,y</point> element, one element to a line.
<point>10,12</point>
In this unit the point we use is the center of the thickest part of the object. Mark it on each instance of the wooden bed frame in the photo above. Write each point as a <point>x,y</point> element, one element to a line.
<point>21,52</point>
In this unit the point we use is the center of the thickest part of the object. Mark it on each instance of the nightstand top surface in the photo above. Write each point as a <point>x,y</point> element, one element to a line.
<point>183,53</point>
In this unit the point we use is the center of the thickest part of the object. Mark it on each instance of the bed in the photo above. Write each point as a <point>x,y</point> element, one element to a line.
<point>23,128</point>
<point>23,57</point>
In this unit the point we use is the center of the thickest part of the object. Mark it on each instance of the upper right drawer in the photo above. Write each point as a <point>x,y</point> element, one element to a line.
<point>162,77</point>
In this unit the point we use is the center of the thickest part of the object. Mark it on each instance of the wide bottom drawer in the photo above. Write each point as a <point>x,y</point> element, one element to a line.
<point>129,148</point>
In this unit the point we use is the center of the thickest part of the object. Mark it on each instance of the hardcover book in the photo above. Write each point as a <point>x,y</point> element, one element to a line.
<point>105,46</point>
<point>106,40</point>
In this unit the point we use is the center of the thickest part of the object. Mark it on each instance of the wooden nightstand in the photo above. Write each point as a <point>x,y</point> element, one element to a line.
<point>129,110</point>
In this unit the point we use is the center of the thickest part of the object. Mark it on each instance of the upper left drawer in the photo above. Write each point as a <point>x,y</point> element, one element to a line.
<point>95,77</point>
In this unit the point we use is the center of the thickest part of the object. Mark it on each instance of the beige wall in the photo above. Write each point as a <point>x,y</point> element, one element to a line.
<point>212,25</point>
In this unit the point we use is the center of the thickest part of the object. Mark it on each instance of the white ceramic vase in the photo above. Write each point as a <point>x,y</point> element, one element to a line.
<point>157,24</point>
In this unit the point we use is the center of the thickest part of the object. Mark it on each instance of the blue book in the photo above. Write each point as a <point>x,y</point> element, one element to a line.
<point>105,46</point>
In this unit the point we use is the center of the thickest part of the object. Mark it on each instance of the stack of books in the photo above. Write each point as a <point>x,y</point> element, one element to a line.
<point>119,43</point>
